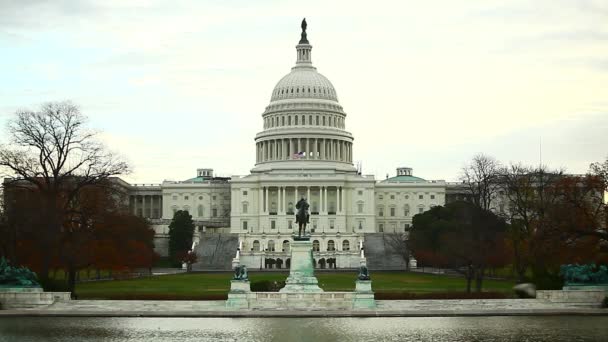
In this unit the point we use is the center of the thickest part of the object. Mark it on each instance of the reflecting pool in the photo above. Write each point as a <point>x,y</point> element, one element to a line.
<point>493,329</point>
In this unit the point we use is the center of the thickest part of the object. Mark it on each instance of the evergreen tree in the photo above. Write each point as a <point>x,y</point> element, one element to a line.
<point>181,230</point>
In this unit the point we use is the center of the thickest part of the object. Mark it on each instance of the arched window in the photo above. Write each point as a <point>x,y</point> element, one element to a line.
<point>406,210</point>
<point>331,246</point>
<point>200,210</point>
<point>345,245</point>
<point>256,246</point>
<point>296,120</point>
<point>282,121</point>
<point>315,245</point>
<point>271,245</point>
<point>285,245</point>
<point>303,120</point>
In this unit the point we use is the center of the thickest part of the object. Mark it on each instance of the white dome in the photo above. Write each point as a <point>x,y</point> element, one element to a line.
<point>304,82</point>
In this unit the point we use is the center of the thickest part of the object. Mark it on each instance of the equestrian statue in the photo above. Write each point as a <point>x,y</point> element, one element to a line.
<point>302,216</point>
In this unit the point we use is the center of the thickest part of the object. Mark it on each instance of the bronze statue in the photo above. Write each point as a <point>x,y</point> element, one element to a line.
<point>240,273</point>
<point>302,217</point>
<point>584,274</point>
<point>363,273</point>
<point>303,39</point>
<point>16,276</point>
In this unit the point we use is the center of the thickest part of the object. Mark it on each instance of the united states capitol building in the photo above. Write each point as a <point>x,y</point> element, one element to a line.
<point>304,150</point>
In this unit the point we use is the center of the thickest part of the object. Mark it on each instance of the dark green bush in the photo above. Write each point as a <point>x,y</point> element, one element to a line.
<point>439,295</point>
<point>267,286</point>
<point>605,303</point>
<point>54,285</point>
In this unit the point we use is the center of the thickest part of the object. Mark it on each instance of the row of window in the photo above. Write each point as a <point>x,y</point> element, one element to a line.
<point>200,198</point>
<point>392,210</point>
<point>200,211</point>
<point>405,226</point>
<point>406,196</point>
<point>331,246</point>
<point>288,120</point>
<point>304,90</point>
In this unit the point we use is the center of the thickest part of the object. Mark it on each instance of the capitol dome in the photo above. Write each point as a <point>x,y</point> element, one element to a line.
<point>304,125</point>
<point>304,82</point>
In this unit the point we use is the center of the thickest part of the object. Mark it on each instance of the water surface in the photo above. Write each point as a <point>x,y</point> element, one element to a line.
<point>553,329</point>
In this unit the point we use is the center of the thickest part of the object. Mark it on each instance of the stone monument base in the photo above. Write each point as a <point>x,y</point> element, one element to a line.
<point>29,297</point>
<point>238,297</point>
<point>301,271</point>
<point>364,296</point>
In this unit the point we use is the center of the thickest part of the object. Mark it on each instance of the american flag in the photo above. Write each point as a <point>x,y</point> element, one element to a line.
<point>298,155</point>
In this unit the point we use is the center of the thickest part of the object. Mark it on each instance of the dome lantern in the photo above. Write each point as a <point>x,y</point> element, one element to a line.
<point>303,48</point>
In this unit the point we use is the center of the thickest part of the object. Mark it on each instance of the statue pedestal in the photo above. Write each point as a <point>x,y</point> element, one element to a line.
<point>364,296</point>
<point>301,272</point>
<point>238,295</point>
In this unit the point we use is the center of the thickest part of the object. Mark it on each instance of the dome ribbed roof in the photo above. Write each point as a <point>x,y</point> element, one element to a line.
<point>304,82</point>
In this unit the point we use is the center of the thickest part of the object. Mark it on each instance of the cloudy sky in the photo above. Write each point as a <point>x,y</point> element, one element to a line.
<point>177,85</point>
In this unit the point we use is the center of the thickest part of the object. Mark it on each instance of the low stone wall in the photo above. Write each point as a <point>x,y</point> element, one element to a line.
<point>291,300</point>
<point>30,299</point>
<point>583,297</point>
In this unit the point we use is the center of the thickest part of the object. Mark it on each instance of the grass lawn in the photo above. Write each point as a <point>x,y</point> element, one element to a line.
<point>216,285</point>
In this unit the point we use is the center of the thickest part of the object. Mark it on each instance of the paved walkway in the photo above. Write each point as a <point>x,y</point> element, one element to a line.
<point>405,308</point>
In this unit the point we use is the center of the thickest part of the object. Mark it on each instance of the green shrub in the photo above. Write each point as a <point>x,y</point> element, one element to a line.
<point>439,295</point>
<point>54,285</point>
<point>605,303</point>
<point>267,286</point>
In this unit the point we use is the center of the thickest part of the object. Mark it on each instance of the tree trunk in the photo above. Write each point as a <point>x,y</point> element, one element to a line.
<point>72,281</point>
<point>478,279</point>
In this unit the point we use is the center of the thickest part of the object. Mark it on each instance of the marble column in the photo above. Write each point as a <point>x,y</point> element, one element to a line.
<point>338,199</point>
<point>343,198</point>
<point>320,200</point>
<point>143,206</point>
<point>266,200</point>
<point>283,149</point>
<point>307,148</point>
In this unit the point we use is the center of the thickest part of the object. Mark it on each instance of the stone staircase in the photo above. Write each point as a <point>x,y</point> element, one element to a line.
<point>380,254</point>
<point>215,251</point>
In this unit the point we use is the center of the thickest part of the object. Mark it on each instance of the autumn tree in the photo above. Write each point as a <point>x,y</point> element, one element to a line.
<point>481,179</point>
<point>531,193</point>
<point>460,236</point>
<point>181,230</point>
<point>52,153</point>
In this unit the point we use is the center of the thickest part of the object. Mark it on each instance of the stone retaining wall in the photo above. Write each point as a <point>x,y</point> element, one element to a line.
<point>584,297</point>
<point>291,300</point>
<point>31,299</point>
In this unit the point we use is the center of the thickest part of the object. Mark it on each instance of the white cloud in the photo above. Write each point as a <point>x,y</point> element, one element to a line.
<point>180,85</point>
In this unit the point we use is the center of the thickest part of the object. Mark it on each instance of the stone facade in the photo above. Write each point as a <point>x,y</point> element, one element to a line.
<point>303,151</point>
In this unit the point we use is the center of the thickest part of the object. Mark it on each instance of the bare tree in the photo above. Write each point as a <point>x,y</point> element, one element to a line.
<point>397,242</point>
<point>51,152</point>
<point>531,193</point>
<point>481,177</point>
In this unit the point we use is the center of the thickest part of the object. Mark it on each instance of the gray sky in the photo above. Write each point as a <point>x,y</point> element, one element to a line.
<point>177,85</point>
